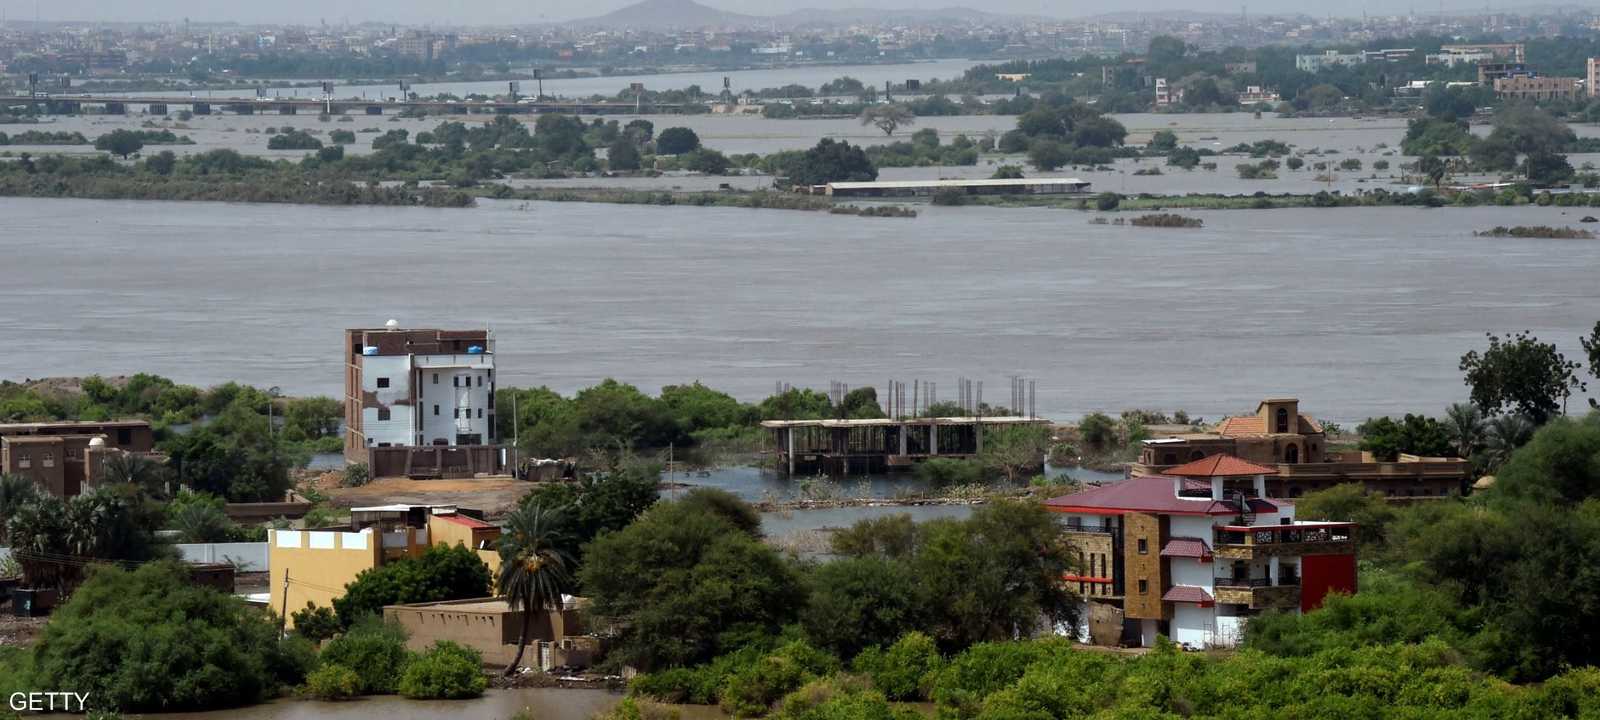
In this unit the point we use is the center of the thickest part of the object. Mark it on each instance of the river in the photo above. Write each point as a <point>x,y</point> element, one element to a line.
<point>1359,312</point>
<point>540,703</point>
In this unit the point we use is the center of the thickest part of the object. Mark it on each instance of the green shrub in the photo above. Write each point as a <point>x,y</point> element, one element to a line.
<point>355,475</point>
<point>1107,201</point>
<point>446,671</point>
<point>333,682</point>
<point>947,472</point>
<point>441,573</point>
<point>752,689</point>
<point>376,651</point>
<point>949,196</point>
<point>632,709</point>
<point>903,670</point>
<point>839,698</point>
<point>315,623</point>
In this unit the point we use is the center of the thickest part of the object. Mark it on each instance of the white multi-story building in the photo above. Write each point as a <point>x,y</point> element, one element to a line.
<point>1315,63</point>
<point>418,389</point>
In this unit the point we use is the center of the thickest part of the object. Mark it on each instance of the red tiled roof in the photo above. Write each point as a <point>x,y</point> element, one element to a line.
<point>1253,425</point>
<point>1219,465</point>
<point>1188,594</point>
<point>1149,494</point>
<point>470,522</point>
<point>1187,547</point>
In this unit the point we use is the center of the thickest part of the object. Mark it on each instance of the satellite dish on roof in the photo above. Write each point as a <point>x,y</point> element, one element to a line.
<point>393,324</point>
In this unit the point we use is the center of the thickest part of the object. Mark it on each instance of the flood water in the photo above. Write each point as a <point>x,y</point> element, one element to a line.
<point>541,703</point>
<point>1357,311</point>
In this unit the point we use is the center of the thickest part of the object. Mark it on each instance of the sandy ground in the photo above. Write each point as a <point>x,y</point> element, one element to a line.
<point>493,495</point>
<point>19,632</point>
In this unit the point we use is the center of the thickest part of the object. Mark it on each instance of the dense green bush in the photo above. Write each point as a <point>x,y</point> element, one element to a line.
<point>904,670</point>
<point>333,682</point>
<point>453,572</point>
<point>151,640</point>
<point>375,651</point>
<point>752,689</point>
<point>947,472</point>
<point>315,623</point>
<point>839,698</point>
<point>446,671</point>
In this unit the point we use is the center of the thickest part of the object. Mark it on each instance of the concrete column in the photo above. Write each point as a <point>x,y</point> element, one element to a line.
<point>1272,569</point>
<point>933,439</point>
<point>1216,488</point>
<point>977,435</point>
<point>1177,486</point>
<point>903,433</point>
<point>1261,486</point>
<point>790,432</point>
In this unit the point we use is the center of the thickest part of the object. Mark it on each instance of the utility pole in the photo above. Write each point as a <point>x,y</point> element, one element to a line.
<point>283,614</point>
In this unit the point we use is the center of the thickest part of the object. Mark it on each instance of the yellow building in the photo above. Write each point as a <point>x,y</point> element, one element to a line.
<point>315,565</point>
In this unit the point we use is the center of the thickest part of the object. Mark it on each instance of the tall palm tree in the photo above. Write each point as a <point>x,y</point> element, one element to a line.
<point>136,470</point>
<point>535,568</point>
<point>1502,437</point>
<point>1464,422</point>
<point>15,492</point>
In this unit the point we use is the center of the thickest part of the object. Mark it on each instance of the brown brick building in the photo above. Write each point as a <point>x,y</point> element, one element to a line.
<point>65,458</point>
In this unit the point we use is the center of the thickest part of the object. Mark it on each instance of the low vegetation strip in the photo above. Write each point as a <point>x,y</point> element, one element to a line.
<point>1166,220</point>
<point>227,190</point>
<point>722,198</point>
<point>1536,231</point>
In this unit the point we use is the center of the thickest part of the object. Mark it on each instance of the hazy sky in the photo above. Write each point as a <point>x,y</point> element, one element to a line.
<point>446,12</point>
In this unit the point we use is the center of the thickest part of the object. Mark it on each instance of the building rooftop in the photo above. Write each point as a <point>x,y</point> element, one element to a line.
<point>1254,425</point>
<point>68,425</point>
<point>470,522</point>
<point>1150,494</point>
<point>1219,465</point>
<point>1188,594</point>
<point>1187,547</point>
<point>986,182</point>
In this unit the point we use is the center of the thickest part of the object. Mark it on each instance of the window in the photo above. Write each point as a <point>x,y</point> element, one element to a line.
<point>48,458</point>
<point>24,461</point>
<point>455,413</point>
<point>383,382</point>
<point>1170,458</point>
<point>1283,420</point>
<point>480,413</point>
<point>436,409</point>
<point>1144,546</point>
<point>436,378</point>
<point>1144,587</point>
<point>455,381</point>
<point>124,436</point>
<point>480,381</point>
<point>383,414</point>
<point>1291,454</point>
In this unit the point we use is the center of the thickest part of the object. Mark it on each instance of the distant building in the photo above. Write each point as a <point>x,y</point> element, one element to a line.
<point>417,45</point>
<point>1592,81</point>
<point>1510,52</point>
<point>1297,447</point>
<point>1452,59</point>
<point>1255,94</point>
<point>1167,94</point>
<point>66,458</point>
<point>314,565</point>
<point>1013,77</point>
<point>1525,87</point>
<point>490,626</point>
<point>1240,68</point>
<point>1390,55</point>
<point>1195,553</point>
<point>420,402</point>
<point>1488,73</point>
<point>1329,58</point>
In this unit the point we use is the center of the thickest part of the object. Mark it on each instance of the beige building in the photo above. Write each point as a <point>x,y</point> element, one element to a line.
<point>1524,87</point>
<point>490,626</point>
<point>315,565</point>
<point>1592,79</point>
<point>1278,435</point>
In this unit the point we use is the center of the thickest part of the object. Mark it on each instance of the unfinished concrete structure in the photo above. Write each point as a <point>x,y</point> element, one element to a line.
<point>420,403</point>
<point>842,447</point>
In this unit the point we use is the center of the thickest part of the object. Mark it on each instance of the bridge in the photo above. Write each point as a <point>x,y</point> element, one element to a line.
<point>119,105</point>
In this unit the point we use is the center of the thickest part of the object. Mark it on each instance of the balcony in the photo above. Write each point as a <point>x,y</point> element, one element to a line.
<point>1251,542</point>
<point>1086,528</point>
<point>1258,593</point>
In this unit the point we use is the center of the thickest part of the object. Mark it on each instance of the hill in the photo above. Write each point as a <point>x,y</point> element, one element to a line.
<point>668,14</point>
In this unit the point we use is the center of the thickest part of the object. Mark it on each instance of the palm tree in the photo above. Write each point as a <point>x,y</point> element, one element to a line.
<point>534,567</point>
<point>1464,422</point>
<point>136,470</point>
<point>1502,437</point>
<point>15,492</point>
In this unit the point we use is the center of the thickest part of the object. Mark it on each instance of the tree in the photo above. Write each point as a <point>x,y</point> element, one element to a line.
<point>887,117</point>
<point>1164,141</point>
<point>161,163</point>
<point>441,573</point>
<point>1007,172</point>
<point>446,671</point>
<point>1097,430</point>
<point>1547,168</point>
<point>1464,424</point>
<point>1591,346</point>
<point>857,603</point>
<point>623,155</point>
<point>534,571</point>
<point>1501,438</point>
<point>686,584</point>
<point>1047,155</point>
<point>676,141</point>
<point>151,640</point>
<point>1431,167</point>
<point>16,492</point>
<point>1559,466</point>
<point>1320,97</point>
<point>311,418</point>
<point>120,142</point>
<point>891,536</point>
<point>640,130</point>
<point>706,160</point>
<point>1013,450</point>
<point>1166,49</point>
<point>1350,502</point>
<point>832,161</point>
<point>1518,372</point>
<point>200,518</point>
<point>1414,435</point>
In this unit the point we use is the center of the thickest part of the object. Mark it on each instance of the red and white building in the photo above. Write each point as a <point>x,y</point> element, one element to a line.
<point>1197,551</point>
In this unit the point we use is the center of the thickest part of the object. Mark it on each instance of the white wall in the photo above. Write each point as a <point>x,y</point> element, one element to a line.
<point>247,556</point>
<point>1191,624</point>
<point>461,396</point>
<point>1195,526</point>
<point>1189,571</point>
<point>397,429</point>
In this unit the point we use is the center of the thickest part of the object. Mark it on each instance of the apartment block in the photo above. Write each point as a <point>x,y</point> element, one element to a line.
<point>1592,78</point>
<point>1526,87</point>
<point>420,403</point>
<point>65,458</point>
<point>1195,553</point>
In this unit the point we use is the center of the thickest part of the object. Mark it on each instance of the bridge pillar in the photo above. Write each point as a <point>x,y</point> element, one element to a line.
<point>286,109</point>
<point>116,108</point>
<point>458,110</point>
<point>201,108</point>
<point>242,109</point>
<point>156,109</point>
<point>374,109</point>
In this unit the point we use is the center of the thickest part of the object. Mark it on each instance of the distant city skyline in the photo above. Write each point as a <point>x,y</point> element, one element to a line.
<point>509,12</point>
